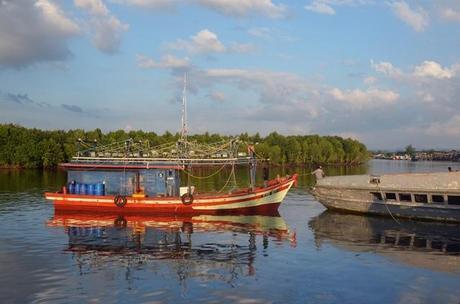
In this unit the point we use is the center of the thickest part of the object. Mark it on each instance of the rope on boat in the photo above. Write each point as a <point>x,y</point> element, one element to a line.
<point>205,177</point>
<point>386,206</point>
<point>232,173</point>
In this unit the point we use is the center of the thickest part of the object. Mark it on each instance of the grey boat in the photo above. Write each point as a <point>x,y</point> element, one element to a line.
<point>425,196</point>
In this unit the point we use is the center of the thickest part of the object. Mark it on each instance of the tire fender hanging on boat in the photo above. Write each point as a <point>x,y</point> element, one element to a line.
<point>120,200</point>
<point>187,198</point>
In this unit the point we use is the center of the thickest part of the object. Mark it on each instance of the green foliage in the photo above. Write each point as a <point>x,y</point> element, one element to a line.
<point>410,150</point>
<point>33,148</point>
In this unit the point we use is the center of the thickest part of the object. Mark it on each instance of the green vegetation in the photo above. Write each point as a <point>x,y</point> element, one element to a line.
<point>33,148</point>
<point>410,150</point>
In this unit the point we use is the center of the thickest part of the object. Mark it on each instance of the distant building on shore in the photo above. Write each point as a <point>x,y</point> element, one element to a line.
<point>452,155</point>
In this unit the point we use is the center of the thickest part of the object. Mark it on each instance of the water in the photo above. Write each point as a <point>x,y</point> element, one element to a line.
<point>305,255</point>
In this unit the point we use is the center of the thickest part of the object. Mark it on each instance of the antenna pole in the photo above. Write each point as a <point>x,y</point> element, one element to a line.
<point>184,110</point>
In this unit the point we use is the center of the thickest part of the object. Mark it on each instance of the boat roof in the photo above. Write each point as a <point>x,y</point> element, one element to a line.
<point>102,163</point>
<point>401,181</point>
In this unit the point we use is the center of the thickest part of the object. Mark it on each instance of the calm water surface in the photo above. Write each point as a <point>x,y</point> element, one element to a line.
<point>305,255</point>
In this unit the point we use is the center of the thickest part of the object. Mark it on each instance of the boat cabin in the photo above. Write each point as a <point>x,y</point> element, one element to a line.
<point>122,180</point>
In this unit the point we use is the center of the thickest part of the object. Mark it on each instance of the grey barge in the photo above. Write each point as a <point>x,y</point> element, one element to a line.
<point>425,196</point>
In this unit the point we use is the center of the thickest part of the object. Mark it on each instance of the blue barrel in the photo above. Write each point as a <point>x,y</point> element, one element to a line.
<point>83,189</point>
<point>91,189</point>
<point>77,188</point>
<point>99,189</point>
<point>71,188</point>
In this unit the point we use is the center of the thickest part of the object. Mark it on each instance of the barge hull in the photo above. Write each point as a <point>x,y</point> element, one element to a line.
<point>431,213</point>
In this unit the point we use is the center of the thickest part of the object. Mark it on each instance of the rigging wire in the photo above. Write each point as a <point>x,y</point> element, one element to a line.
<point>228,180</point>
<point>205,177</point>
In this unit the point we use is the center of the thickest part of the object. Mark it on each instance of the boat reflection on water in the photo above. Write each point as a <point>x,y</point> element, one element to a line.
<point>191,246</point>
<point>431,245</point>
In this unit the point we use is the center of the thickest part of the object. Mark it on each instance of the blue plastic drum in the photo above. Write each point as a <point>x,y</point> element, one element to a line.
<point>100,189</point>
<point>77,188</point>
<point>71,188</point>
<point>91,189</point>
<point>83,189</point>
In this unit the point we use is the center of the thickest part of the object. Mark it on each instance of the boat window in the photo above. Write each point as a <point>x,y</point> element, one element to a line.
<point>390,196</point>
<point>437,198</point>
<point>405,197</point>
<point>421,198</point>
<point>453,200</point>
<point>377,196</point>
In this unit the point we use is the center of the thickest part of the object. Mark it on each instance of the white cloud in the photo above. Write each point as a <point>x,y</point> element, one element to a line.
<point>241,8</point>
<point>351,135</point>
<point>327,6</point>
<point>94,7</point>
<point>425,97</point>
<point>217,96</point>
<point>54,15</point>
<point>166,62</point>
<point>33,31</point>
<point>416,18</point>
<point>241,48</point>
<point>152,4</point>
<point>265,100</point>
<point>204,41</point>
<point>450,14</point>
<point>260,32</point>
<point>427,69</point>
<point>282,97</point>
<point>450,127</point>
<point>370,97</point>
<point>207,42</point>
<point>370,80</point>
<point>106,29</point>
<point>234,8</point>
<point>320,7</point>
<point>387,68</point>
<point>434,70</point>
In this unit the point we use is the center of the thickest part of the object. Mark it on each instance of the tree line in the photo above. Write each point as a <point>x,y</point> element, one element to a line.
<point>34,148</point>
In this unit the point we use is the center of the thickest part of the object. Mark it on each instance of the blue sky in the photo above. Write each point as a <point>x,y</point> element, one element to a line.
<point>384,72</point>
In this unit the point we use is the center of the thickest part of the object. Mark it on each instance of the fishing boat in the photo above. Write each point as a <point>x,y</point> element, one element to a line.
<point>424,196</point>
<point>134,177</point>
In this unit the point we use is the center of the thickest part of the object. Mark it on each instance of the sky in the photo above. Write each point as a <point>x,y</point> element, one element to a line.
<point>386,73</point>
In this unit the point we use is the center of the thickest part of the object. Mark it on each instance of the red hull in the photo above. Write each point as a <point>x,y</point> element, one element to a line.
<point>267,209</point>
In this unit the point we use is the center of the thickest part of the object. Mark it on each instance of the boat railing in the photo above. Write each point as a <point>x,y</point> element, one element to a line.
<point>158,161</point>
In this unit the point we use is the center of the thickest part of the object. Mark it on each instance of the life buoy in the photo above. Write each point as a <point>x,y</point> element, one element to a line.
<point>187,198</point>
<point>120,200</point>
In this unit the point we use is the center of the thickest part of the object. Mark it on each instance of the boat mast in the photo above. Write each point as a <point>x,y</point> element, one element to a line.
<point>184,131</point>
<point>184,127</point>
